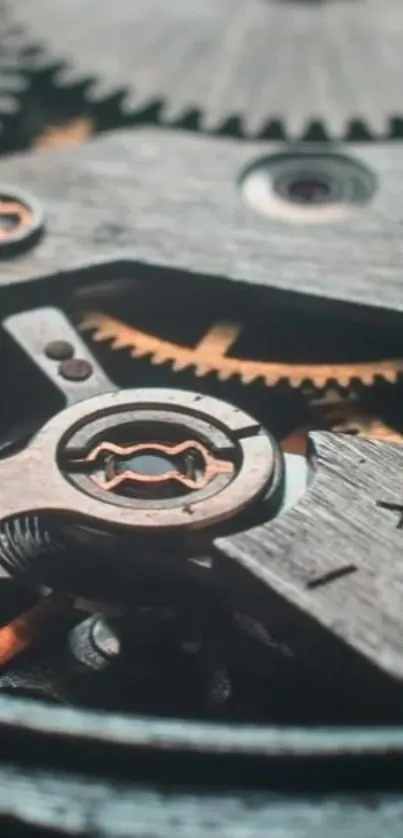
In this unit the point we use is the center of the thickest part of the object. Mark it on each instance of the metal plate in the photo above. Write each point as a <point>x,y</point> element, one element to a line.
<point>148,200</point>
<point>122,760</point>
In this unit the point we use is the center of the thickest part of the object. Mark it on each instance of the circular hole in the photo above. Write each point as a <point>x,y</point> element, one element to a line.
<point>8,221</point>
<point>15,216</point>
<point>308,190</point>
<point>21,222</point>
<point>154,473</point>
<point>307,186</point>
<point>150,465</point>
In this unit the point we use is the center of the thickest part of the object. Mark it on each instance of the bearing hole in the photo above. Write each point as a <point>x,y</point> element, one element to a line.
<point>306,190</point>
<point>9,221</point>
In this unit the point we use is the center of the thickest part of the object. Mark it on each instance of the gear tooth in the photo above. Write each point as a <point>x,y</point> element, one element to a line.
<point>343,380</point>
<point>157,42</point>
<point>117,342</point>
<point>85,326</point>
<point>269,380</point>
<point>179,364</point>
<point>315,381</point>
<point>249,377</point>
<point>158,359</point>
<point>137,351</point>
<point>101,335</point>
<point>202,369</point>
<point>367,378</point>
<point>391,376</point>
<point>225,375</point>
<point>13,64</point>
<point>292,382</point>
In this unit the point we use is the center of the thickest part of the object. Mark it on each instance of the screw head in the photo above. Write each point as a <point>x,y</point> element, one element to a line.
<point>75,369</point>
<point>105,638</point>
<point>59,350</point>
<point>94,643</point>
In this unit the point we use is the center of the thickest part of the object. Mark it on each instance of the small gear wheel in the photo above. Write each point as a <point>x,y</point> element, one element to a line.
<point>254,61</point>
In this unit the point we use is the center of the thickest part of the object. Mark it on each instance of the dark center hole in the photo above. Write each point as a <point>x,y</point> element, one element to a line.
<point>9,220</point>
<point>156,465</point>
<point>308,190</point>
<point>151,464</point>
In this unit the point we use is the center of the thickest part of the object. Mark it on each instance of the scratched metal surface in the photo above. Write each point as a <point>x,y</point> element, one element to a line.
<point>255,60</point>
<point>154,201</point>
<point>15,58</point>
<point>41,801</point>
<point>173,201</point>
<point>136,776</point>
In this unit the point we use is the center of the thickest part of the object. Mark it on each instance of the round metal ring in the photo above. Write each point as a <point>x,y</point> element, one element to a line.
<point>21,221</point>
<point>307,186</point>
<point>221,459</point>
<point>237,451</point>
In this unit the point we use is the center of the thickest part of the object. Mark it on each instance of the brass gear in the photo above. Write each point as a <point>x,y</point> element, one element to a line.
<point>346,415</point>
<point>210,355</point>
<point>341,414</point>
<point>73,132</point>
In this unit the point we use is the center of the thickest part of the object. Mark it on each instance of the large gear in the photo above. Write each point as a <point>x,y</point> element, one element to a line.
<point>209,355</point>
<point>15,57</point>
<point>328,390</point>
<point>257,61</point>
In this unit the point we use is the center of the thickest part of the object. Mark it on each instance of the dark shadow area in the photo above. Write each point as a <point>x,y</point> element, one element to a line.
<point>13,828</point>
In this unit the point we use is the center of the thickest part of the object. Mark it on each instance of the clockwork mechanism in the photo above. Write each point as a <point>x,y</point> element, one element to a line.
<point>318,370</point>
<point>122,495</point>
<point>201,458</point>
<point>174,420</point>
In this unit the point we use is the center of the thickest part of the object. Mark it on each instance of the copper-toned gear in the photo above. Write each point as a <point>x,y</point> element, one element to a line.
<point>16,216</point>
<point>21,221</point>
<point>341,414</point>
<point>73,132</point>
<point>25,629</point>
<point>347,415</point>
<point>210,355</point>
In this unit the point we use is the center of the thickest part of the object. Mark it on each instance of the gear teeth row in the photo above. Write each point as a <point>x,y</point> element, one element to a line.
<point>15,58</point>
<point>347,415</point>
<point>249,59</point>
<point>207,359</point>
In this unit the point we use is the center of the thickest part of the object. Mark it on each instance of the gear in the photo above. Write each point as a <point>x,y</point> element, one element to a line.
<point>73,132</point>
<point>210,356</point>
<point>26,628</point>
<point>339,413</point>
<point>218,60</point>
<point>347,415</point>
<point>52,115</point>
<point>15,58</point>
